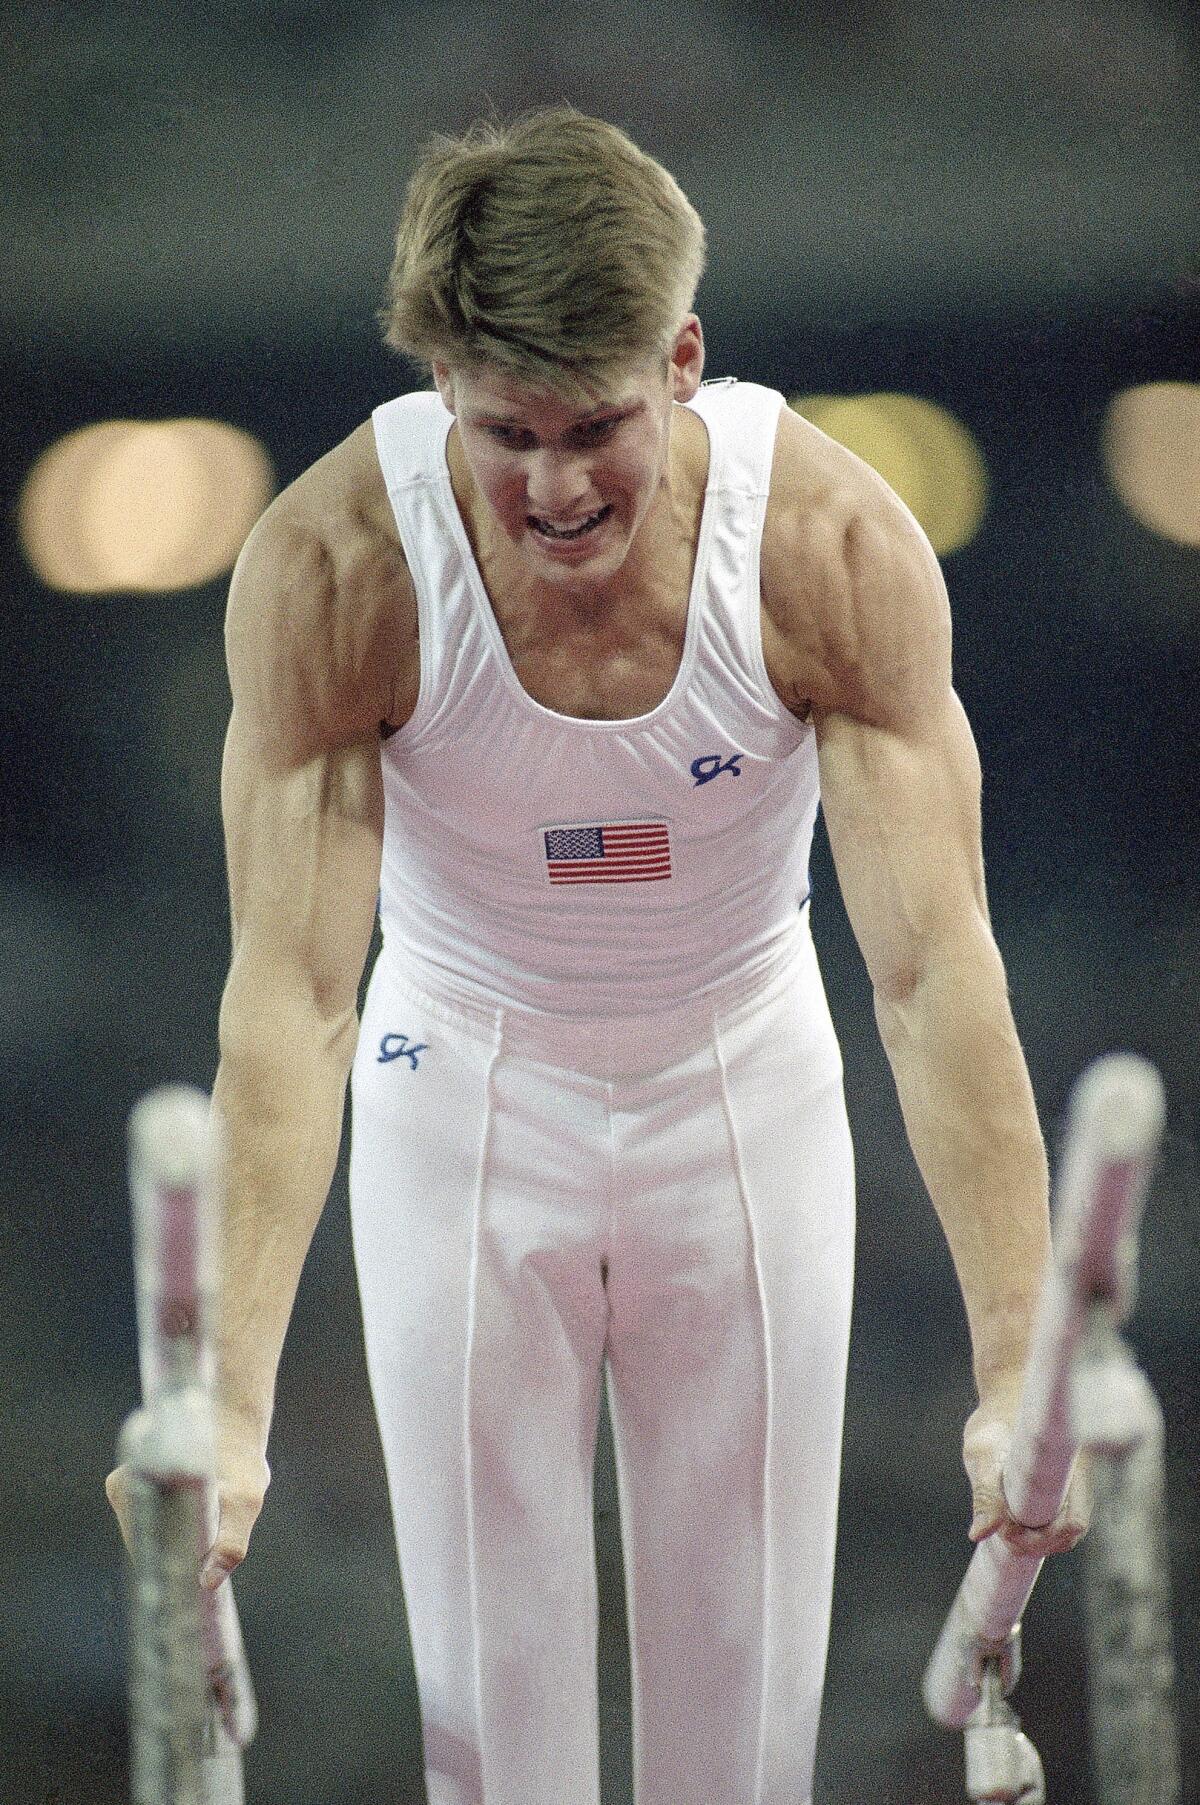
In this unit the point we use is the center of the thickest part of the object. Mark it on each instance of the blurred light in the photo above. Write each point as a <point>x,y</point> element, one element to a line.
<point>143,505</point>
<point>921,451</point>
<point>1152,449</point>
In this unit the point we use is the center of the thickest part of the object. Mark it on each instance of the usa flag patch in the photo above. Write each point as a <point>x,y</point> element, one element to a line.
<point>609,852</point>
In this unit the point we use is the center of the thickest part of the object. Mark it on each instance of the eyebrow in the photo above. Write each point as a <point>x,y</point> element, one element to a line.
<point>490,417</point>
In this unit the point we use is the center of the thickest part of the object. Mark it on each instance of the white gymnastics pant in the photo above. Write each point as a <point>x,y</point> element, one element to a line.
<point>670,1199</point>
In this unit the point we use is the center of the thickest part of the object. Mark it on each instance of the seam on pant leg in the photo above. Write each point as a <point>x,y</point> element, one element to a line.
<point>768,1512</point>
<point>610,1227</point>
<point>629,1570</point>
<point>628,1563</point>
<point>468,1461</point>
<point>610,1251</point>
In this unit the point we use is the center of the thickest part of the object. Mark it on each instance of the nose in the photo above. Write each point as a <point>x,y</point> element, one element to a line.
<point>558,483</point>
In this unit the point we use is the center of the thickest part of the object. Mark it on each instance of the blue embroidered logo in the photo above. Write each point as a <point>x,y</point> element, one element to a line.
<point>396,1046</point>
<point>705,769</point>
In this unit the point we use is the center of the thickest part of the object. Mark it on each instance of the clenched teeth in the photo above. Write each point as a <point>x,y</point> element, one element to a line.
<point>550,531</point>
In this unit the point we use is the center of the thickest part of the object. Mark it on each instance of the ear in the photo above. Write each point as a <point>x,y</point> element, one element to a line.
<point>443,377</point>
<point>687,360</point>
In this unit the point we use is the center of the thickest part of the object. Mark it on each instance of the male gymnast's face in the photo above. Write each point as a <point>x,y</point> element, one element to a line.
<point>570,484</point>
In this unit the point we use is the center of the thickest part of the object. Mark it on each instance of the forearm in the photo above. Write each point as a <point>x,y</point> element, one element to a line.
<point>280,1095</point>
<point>972,1123</point>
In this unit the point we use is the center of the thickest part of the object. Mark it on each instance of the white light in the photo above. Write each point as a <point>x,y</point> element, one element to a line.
<point>142,505</point>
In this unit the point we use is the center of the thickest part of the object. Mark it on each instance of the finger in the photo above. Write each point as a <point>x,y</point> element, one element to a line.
<point>1053,1538</point>
<point>1077,1506</point>
<point>223,1558</point>
<point>117,1492</point>
<point>232,1541</point>
<point>1068,1527</point>
<point>219,1563</point>
<point>988,1507</point>
<point>988,1515</point>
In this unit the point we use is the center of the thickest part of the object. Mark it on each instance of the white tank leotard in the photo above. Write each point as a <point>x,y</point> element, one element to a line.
<point>593,868</point>
<point>599,1136</point>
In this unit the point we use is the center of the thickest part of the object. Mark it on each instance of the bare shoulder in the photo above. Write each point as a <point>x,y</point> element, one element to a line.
<point>855,613</point>
<point>320,631</point>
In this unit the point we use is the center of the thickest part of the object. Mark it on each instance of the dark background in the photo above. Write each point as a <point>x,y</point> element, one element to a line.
<point>991,206</point>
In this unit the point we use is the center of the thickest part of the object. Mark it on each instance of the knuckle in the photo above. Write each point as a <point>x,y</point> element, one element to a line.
<point>223,1561</point>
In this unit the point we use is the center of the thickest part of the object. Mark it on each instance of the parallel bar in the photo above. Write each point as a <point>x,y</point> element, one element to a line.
<point>1127,1590</point>
<point>166,1677</point>
<point>192,1702</point>
<point>1114,1126</point>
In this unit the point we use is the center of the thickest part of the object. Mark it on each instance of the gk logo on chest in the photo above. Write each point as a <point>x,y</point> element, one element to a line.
<point>712,765</point>
<point>397,1046</point>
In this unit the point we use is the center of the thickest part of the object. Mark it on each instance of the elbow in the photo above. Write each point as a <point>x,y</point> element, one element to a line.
<point>894,994</point>
<point>899,962</point>
<point>273,1014</point>
<point>957,967</point>
<point>895,985</point>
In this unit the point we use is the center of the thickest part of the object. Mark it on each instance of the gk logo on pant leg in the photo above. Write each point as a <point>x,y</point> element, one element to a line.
<point>396,1046</point>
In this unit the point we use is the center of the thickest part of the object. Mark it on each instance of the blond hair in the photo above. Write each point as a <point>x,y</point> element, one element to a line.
<point>552,249</point>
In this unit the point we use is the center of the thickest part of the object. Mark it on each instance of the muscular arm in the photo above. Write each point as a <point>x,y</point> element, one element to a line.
<point>304,870</point>
<point>900,787</point>
<point>303,811</point>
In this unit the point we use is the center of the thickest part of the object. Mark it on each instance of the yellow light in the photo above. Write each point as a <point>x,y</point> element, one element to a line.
<point>1152,450</point>
<point>142,505</point>
<point>921,451</point>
